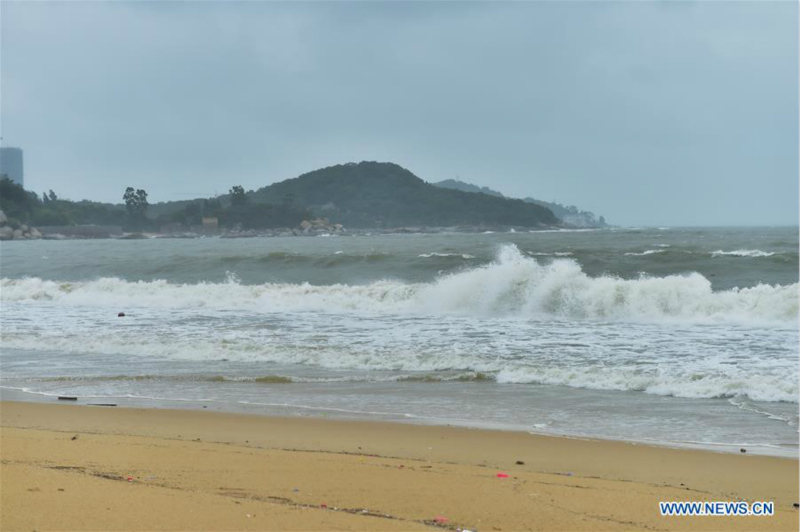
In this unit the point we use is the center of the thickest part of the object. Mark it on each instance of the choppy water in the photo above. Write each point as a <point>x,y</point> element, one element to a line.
<point>681,336</point>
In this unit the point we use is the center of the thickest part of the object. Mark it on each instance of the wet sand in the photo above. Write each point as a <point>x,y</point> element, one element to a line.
<point>67,467</point>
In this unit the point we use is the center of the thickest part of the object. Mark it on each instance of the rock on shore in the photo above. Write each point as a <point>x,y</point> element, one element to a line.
<point>23,232</point>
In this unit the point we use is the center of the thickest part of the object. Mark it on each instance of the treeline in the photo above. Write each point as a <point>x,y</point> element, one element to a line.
<point>134,214</point>
<point>363,195</point>
<point>25,207</point>
<point>236,210</point>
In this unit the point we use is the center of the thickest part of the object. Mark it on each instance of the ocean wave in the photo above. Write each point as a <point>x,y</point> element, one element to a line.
<point>644,253</point>
<point>434,254</point>
<point>742,253</point>
<point>512,285</point>
<point>553,254</point>
<point>676,382</point>
<point>689,382</point>
<point>467,376</point>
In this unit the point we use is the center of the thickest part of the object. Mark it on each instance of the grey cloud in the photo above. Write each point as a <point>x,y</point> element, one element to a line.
<point>649,113</point>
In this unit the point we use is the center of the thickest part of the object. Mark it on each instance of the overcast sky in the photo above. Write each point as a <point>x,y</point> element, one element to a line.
<point>650,113</point>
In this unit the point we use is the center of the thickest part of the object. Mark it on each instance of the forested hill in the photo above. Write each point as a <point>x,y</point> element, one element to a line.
<point>467,187</point>
<point>373,194</point>
<point>567,214</point>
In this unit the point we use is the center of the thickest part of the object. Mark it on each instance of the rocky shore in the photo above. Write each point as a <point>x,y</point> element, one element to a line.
<point>22,232</point>
<point>314,227</point>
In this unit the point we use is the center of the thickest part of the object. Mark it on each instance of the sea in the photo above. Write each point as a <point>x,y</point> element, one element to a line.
<point>682,337</point>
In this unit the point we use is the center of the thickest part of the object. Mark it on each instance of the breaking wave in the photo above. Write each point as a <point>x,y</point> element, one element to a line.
<point>512,285</point>
<point>742,253</point>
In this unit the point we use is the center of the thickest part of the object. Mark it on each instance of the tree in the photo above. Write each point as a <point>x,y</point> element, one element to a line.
<point>136,205</point>
<point>141,196</point>
<point>15,201</point>
<point>52,195</point>
<point>135,202</point>
<point>130,200</point>
<point>238,196</point>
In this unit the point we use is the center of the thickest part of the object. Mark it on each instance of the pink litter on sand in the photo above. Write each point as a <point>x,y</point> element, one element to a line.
<point>440,519</point>
<point>502,475</point>
<point>323,505</point>
<point>130,479</point>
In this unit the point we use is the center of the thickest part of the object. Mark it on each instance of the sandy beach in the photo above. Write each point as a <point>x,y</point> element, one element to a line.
<point>68,467</point>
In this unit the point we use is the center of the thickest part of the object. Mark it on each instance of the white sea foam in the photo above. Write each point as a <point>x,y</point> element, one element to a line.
<point>742,253</point>
<point>434,254</point>
<point>644,253</point>
<point>681,368</point>
<point>676,382</point>
<point>553,254</point>
<point>512,285</point>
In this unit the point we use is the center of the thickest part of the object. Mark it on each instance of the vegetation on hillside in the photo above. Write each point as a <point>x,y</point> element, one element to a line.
<point>569,214</point>
<point>134,214</point>
<point>363,195</point>
<point>455,184</point>
<point>372,194</point>
<point>24,207</point>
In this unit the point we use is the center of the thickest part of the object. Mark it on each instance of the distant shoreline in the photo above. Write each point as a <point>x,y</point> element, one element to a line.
<point>92,233</point>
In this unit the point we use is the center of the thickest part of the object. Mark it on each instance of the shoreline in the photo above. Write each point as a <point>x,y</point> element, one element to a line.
<point>10,394</point>
<point>210,470</point>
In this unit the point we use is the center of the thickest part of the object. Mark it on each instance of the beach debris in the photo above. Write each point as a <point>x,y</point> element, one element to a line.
<point>102,404</point>
<point>121,315</point>
<point>520,462</point>
<point>295,490</point>
<point>324,506</point>
<point>60,489</point>
<point>440,519</point>
<point>74,437</point>
<point>796,504</point>
<point>129,479</point>
<point>67,398</point>
<point>502,475</point>
<point>742,450</point>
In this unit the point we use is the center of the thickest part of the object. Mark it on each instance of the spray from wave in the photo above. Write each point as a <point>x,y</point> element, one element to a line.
<point>513,285</point>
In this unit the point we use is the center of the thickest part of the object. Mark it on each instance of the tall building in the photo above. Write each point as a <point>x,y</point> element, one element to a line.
<point>11,164</point>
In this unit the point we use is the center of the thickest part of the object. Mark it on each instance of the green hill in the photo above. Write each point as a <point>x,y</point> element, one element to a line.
<point>455,184</point>
<point>373,194</point>
<point>568,214</point>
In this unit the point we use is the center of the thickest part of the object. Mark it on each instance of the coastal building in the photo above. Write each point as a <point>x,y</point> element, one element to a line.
<point>11,165</point>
